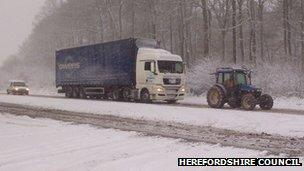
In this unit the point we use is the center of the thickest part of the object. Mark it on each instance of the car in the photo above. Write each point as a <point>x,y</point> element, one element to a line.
<point>233,86</point>
<point>18,88</point>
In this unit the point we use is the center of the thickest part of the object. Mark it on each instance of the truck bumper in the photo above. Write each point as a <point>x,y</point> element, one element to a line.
<point>165,97</point>
<point>168,94</point>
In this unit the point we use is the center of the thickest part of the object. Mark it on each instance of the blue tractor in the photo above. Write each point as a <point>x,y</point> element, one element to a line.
<point>233,86</point>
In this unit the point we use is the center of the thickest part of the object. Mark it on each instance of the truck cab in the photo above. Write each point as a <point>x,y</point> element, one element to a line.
<point>160,75</point>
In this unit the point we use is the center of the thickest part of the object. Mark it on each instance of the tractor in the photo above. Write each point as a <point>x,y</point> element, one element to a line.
<point>233,86</point>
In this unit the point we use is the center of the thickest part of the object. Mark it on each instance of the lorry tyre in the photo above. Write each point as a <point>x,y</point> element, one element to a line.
<point>75,92</point>
<point>266,102</point>
<point>68,92</point>
<point>116,95</point>
<point>248,102</point>
<point>126,94</point>
<point>82,93</point>
<point>145,96</point>
<point>216,97</point>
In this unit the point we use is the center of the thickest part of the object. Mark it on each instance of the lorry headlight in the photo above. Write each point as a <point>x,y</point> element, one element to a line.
<point>27,89</point>
<point>183,89</point>
<point>160,89</point>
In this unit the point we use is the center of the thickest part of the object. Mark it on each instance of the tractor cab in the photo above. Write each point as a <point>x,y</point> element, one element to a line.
<point>234,86</point>
<point>236,80</point>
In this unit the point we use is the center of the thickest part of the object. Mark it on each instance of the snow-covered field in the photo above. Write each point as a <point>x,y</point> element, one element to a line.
<point>245,121</point>
<point>42,144</point>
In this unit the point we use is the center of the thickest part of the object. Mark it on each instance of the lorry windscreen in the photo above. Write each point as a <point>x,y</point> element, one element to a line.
<point>170,67</point>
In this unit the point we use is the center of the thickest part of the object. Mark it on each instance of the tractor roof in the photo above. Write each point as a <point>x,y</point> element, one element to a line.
<point>229,69</point>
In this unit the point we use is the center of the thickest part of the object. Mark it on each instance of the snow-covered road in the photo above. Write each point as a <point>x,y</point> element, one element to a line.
<point>244,121</point>
<point>42,144</point>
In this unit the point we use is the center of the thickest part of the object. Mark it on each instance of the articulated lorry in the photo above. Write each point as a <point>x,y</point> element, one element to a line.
<point>129,70</point>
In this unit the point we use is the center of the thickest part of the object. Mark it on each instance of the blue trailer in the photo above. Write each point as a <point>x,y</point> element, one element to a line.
<point>108,70</point>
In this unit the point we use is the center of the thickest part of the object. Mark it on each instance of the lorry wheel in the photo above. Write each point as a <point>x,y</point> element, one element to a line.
<point>216,97</point>
<point>75,92</point>
<point>126,94</point>
<point>82,93</point>
<point>116,95</point>
<point>145,96</point>
<point>68,92</point>
<point>248,102</point>
<point>266,102</point>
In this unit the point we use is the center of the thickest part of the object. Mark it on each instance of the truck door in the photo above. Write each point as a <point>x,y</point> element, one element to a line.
<point>146,76</point>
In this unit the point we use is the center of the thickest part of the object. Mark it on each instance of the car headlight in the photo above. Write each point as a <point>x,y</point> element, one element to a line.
<point>16,89</point>
<point>27,89</point>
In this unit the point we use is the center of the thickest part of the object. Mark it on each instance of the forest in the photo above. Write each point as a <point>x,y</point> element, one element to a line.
<point>266,36</point>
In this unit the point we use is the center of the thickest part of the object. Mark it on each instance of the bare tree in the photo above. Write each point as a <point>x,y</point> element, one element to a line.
<point>241,34</point>
<point>252,37</point>
<point>234,31</point>
<point>221,10</point>
<point>205,27</point>
<point>261,27</point>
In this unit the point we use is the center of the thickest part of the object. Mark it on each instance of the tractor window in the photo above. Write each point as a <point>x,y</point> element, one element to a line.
<point>220,78</point>
<point>227,76</point>
<point>240,78</point>
<point>228,80</point>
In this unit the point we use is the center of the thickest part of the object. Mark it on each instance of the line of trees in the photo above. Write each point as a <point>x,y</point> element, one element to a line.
<point>243,32</point>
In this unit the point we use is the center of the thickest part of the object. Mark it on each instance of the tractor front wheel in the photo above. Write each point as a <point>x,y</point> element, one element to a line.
<point>266,102</point>
<point>216,97</point>
<point>248,102</point>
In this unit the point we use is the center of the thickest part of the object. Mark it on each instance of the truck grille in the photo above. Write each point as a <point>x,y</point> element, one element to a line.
<point>172,81</point>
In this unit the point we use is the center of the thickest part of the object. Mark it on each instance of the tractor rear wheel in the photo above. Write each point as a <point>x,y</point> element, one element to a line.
<point>216,97</point>
<point>266,102</point>
<point>248,102</point>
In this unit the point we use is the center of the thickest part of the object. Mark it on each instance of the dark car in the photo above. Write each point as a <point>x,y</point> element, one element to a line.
<point>18,88</point>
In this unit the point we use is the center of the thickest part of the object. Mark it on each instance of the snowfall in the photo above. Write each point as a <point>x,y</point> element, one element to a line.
<point>43,144</point>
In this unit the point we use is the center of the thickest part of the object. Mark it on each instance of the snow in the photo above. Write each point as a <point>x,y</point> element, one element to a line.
<point>41,144</point>
<point>279,102</point>
<point>244,121</point>
<point>290,103</point>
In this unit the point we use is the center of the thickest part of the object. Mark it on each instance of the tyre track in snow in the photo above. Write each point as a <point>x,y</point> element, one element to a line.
<point>273,144</point>
<point>190,105</point>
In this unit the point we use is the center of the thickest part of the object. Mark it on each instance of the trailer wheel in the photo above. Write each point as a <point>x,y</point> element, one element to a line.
<point>145,96</point>
<point>82,93</point>
<point>116,95</point>
<point>75,92</point>
<point>126,94</point>
<point>68,92</point>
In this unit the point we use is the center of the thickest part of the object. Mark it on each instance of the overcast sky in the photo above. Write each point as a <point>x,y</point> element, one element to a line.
<point>16,18</point>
